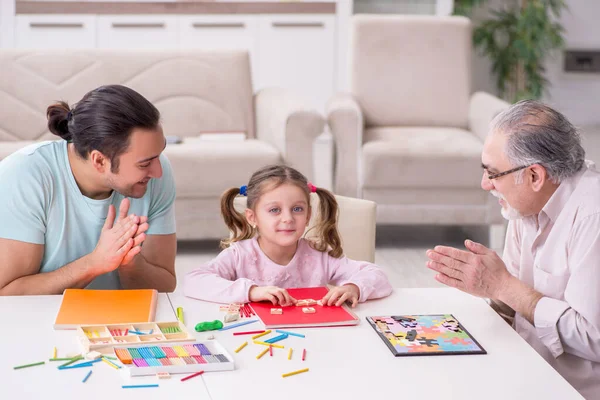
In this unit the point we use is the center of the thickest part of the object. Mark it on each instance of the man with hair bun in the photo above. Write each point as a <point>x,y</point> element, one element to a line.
<point>548,281</point>
<point>59,224</point>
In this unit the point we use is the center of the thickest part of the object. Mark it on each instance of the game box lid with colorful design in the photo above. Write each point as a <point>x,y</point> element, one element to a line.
<point>416,335</point>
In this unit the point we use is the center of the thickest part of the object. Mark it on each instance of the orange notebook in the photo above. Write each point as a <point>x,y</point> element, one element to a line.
<point>90,307</point>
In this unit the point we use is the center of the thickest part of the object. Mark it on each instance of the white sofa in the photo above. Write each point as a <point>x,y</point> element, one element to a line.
<point>197,92</point>
<point>409,135</point>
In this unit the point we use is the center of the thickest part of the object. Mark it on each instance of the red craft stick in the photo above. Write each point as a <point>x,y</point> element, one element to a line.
<point>303,354</point>
<point>247,333</point>
<point>191,376</point>
<point>271,350</point>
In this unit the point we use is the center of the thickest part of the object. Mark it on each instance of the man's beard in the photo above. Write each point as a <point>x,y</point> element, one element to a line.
<point>508,212</point>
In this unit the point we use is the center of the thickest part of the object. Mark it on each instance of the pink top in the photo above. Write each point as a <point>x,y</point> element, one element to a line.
<point>558,253</point>
<point>228,277</point>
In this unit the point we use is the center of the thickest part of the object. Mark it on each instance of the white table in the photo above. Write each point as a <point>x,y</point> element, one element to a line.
<point>354,363</point>
<point>27,336</point>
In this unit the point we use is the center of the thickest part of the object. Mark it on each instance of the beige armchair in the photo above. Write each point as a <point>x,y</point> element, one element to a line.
<point>356,224</point>
<point>409,135</point>
<point>197,92</point>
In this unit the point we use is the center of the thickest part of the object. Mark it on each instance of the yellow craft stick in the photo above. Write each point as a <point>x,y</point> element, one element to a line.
<point>54,353</point>
<point>269,344</point>
<point>295,372</point>
<point>96,334</point>
<point>290,354</point>
<point>241,347</point>
<point>261,334</point>
<point>262,353</point>
<point>115,366</point>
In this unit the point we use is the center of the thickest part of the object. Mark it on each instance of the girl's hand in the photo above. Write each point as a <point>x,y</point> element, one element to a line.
<point>274,294</point>
<point>339,294</point>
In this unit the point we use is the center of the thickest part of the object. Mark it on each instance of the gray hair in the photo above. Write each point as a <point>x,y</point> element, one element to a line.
<point>537,134</point>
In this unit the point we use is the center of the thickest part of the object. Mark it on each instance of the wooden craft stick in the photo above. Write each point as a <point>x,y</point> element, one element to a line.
<point>294,372</point>
<point>241,347</point>
<point>29,365</point>
<point>269,344</point>
<point>261,334</point>
<point>86,377</point>
<point>262,353</point>
<point>191,376</point>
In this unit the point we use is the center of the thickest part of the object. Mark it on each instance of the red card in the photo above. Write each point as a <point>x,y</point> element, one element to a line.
<point>293,317</point>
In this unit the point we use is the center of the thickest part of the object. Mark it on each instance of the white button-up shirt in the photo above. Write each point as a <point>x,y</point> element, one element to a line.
<point>557,252</point>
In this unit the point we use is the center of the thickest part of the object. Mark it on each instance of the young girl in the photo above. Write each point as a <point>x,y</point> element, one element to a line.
<point>267,252</point>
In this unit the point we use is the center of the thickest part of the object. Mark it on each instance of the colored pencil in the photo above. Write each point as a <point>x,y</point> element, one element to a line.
<point>294,372</point>
<point>29,365</point>
<point>247,333</point>
<point>191,376</point>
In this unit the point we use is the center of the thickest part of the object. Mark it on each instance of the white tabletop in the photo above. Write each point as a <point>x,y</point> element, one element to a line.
<point>353,362</point>
<point>28,336</point>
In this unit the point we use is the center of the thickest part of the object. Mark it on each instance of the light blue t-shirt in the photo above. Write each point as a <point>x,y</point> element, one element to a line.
<point>41,203</point>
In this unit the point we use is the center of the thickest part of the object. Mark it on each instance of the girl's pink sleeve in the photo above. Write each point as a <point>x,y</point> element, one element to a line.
<point>218,280</point>
<point>370,279</point>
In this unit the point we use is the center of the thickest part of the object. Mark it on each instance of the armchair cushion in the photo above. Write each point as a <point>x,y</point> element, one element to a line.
<point>421,157</point>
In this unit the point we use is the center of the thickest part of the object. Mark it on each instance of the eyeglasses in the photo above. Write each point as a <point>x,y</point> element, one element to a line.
<point>510,171</point>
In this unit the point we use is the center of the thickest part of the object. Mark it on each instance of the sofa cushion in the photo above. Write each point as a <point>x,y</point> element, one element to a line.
<point>195,91</point>
<point>7,148</point>
<point>412,70</point>
<point>421,157</point>
<point>204,168</point>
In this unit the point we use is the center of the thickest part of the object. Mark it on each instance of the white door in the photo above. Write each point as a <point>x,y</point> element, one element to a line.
<point>137,32</point>
<point>298,52</point>
<point>34,31</point>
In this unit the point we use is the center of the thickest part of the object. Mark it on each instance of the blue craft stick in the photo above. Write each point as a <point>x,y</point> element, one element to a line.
<point>151,330</point>
<point>277,338</point>
<point>138,386</point>
<point>81,365</point>
<point>289,333</point>
<point>136,332</point>
<point>238,324</point>
<point>86,377</point>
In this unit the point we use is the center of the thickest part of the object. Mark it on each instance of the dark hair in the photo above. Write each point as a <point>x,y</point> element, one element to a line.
<point>103,120</point>
<point>326,238</point>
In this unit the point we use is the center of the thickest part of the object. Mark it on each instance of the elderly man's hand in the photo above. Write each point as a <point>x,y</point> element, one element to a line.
<point>479,271</point>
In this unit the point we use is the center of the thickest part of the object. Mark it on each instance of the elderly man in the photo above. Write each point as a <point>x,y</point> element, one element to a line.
<point>549,277</point>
